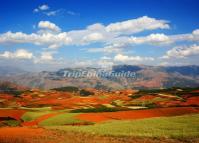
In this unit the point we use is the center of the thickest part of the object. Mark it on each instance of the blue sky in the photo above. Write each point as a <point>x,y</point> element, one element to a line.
<point>50,34</point>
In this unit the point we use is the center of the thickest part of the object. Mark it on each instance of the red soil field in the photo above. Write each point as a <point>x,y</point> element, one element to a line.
<point>16,114</point>
<point>146,97</point>
<point>6,96</point>
<point>20,131</point>
<point>191,101</point>
<point>75,102</point>
<point>27,135</point>
<point>39,135</point>
<point>196,91</point>
<point>169,103</point>
<point>137,114</point>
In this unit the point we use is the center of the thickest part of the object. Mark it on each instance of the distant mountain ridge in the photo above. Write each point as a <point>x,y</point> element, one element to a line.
<point>145,77</point>
<point>184,70</point>
<point>7,70</point>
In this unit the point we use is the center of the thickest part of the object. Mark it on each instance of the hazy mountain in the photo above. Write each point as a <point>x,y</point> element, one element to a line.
<point>8,70</point>
<point>144,77</point>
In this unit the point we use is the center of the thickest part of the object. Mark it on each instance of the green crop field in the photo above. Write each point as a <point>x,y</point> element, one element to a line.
<point>32,115</point>
<point>62,119</point>
<point>37,109</point>
<point>173,127</point>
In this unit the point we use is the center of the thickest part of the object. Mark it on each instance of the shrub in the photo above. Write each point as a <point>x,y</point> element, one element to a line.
<point>67,89</point>
<point>84,92</point>
<point>12,123</point>
<point>98,109</point>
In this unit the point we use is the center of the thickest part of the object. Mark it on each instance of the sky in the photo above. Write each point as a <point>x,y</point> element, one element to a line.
<point>52,34</point>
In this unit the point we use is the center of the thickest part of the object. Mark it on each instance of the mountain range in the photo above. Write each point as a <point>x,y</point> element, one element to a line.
<point>144,77</point>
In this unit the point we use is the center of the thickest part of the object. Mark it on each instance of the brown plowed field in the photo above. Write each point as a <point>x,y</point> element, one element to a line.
<point>137,114</point>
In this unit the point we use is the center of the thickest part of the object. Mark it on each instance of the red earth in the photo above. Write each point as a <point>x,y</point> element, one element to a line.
<point>6,96</point>
<point>20,131</point>
<point>27,135</point>
<point>75,102</point>
<point>137,114</point>
<point>189,101</point>
<point>12,113</point>
<point>146,97</point>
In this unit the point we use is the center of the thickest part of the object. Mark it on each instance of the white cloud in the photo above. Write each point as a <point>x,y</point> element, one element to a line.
<point>44,7</point>
<point>196,32</point>
<point>48,39</point>
<point>137,25</point>
<point>18,54</point>
<point>41,8</point>
<point>158,38</point>
<point>117,45</point>
<point>125,58</point>
<point>47,56</point>
<point>182,52</point>
<point>105,63</point>
<point>36,10</point>
<point>72,13</point>
<point>93,37</point>
<point>50,35</point>
<point>49,26</point>
<point>105,58</point>
<point>44,57</point>
<point>96,27</point>
<point>114,48</point>
<point>100,33</point>
<point>194,36</point>
<point>154,39</point>
<point>52,13</point>
<point>92,33</point>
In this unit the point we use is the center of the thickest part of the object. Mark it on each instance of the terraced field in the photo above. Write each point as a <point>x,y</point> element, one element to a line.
<point>143,116</point>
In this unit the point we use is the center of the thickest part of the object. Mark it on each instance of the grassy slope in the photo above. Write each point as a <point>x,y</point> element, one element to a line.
<point>37,109</point>
<point>61,119</point>
<point>176,127</point>
<point>32,115</point>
